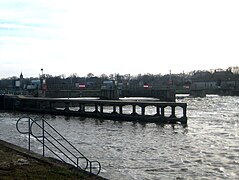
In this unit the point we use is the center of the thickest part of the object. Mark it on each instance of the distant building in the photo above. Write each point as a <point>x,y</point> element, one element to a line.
<point>35,85</point>
<point>217,80</point>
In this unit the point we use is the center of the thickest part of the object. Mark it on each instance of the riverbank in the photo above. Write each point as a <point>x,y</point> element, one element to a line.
<point>18,163</point>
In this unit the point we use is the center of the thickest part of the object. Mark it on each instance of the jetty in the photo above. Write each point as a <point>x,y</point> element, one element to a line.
<point>120,110</point>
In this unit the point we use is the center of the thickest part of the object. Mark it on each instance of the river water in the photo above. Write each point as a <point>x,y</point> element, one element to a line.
<point>208,148</point>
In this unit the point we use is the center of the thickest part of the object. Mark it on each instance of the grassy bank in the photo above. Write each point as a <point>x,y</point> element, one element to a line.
<point>19,163</point>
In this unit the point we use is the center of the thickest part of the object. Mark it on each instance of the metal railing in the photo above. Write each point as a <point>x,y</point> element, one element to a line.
<point>57,141</point>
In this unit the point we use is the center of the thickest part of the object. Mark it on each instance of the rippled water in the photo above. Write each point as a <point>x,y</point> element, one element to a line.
<point>207,149</point>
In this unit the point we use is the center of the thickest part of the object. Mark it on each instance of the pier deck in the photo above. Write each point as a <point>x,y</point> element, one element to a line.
<point>122,110</point>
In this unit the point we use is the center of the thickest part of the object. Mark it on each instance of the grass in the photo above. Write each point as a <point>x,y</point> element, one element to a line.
<point>17,165</point>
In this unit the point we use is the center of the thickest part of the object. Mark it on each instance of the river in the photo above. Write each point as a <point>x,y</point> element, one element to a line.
<point>208,148</point>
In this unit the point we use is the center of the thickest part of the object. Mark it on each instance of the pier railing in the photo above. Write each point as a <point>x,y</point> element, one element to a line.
<point>57,144</point>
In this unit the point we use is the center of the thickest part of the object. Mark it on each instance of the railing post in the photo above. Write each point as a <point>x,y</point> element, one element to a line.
<point>77,162</point>
<point>29,134</point>
<point>43,138</point>
<point>90,167</point>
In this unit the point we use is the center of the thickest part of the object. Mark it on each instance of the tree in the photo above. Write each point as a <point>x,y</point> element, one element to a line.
<point>89,75</point>
<point>74,75</point>
<point>103,76</point>
<point>127,77</point>
<point>235,70</point>
<point>63,76</point>
<point>111,76</point>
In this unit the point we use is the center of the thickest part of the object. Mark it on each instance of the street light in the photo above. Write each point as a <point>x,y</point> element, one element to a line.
<point>41,79</point>
<point>42,72</point>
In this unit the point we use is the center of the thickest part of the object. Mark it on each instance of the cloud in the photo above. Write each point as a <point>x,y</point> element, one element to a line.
<point>26,18</point>
<point>128,36</point>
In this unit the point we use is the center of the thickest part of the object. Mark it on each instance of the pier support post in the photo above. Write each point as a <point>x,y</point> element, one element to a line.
<point>101,108</point>
<point>67,106</point>
<point>143,110</point>
<point>185,111</point>
<point>158,111</point>
<point>82,108</point>
<point>114,109</point>
<point>96,108</point>
<point>134,109</point>
<point>121,109</point>
<point>173,112</point>
<point>51,106</point>
<point>162,111</point>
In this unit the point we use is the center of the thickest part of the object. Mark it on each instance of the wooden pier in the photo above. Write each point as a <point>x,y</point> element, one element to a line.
<point>121,110</point>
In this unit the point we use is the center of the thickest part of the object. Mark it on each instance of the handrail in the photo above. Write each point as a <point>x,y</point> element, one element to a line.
<point>59,144</point>
<point>43,139</point>
<point>26,132</point>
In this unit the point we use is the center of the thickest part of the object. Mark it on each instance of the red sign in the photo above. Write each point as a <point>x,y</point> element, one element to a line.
<point>82,86</point>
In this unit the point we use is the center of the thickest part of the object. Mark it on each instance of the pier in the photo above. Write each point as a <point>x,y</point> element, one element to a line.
<point>121,110</point>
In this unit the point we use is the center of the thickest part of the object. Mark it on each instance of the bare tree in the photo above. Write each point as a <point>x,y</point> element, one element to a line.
<point>89,75</point>
<point>104,76</point>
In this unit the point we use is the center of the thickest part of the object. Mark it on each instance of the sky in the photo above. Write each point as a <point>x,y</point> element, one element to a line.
<point>117,36</point>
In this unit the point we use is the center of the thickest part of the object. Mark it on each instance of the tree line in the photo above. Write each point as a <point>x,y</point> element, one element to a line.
<point>154,80</point>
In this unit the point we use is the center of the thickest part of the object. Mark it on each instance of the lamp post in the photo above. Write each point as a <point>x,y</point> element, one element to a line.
<point>42,72</point>
<point>41,79</point>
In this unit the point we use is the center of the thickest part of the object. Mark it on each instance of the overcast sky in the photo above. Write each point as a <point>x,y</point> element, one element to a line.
<point>124,36</point>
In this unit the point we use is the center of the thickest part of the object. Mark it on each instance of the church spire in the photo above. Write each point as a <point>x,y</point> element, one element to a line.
<point>21,76</point>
